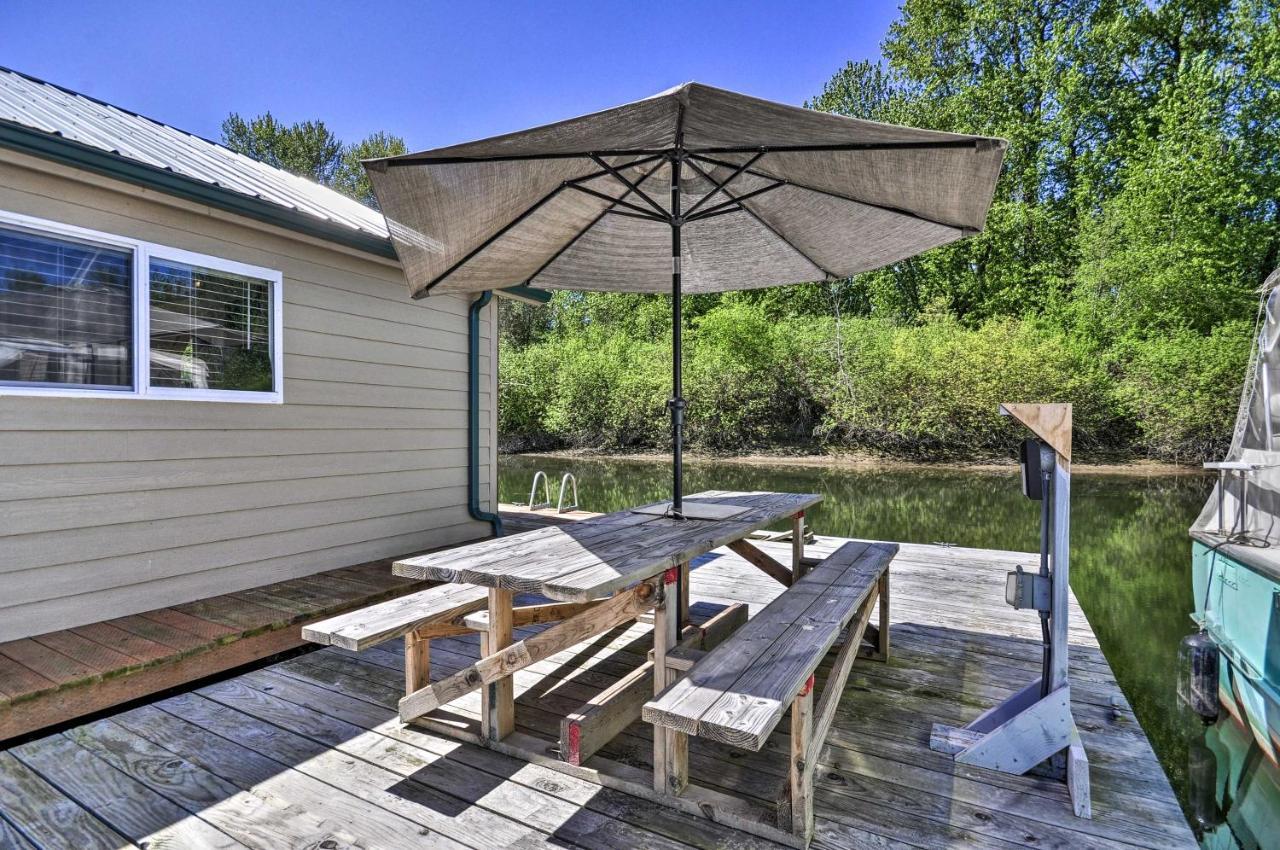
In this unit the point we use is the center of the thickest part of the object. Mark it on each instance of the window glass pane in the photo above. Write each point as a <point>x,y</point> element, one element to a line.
<point>209,329</point>
<point>66,313</point>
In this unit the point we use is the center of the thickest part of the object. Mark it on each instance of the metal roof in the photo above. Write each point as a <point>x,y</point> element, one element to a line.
<point>140,141</point>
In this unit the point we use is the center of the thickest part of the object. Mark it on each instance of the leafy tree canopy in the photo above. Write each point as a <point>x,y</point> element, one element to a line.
<point>310,149</point>
<point>1136,214</point>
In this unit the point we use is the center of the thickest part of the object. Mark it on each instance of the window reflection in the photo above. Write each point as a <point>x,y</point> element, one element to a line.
<point>210,330</point>
<point>66,313</point>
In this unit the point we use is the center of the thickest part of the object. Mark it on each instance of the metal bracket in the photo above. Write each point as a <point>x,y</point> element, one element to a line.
<point>1028,590</point>
<point>1019,734</point>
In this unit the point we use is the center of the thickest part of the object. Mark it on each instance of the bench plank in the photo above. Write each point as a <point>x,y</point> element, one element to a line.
<point>366,627</point>
<point>682,706</point>
<point>740,691</point>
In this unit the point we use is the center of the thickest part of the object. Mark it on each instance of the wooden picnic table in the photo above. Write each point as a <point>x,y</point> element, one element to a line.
<point>726,679</point>
<point>603,572</point>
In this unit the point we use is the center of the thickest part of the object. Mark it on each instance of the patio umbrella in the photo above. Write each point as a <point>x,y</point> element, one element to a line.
<point>696,189</point>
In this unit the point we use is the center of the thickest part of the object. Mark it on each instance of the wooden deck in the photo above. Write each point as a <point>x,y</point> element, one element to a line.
<point>59,676</point>
<point>309,752</point>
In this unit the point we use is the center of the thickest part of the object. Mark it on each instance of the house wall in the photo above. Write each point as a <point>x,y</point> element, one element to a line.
<point>113,506</point>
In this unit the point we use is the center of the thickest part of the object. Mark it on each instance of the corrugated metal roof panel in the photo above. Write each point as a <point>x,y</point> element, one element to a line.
<point>57,111</point>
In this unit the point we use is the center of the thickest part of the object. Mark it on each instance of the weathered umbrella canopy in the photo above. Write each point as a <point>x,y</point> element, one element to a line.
<point>696,189</point>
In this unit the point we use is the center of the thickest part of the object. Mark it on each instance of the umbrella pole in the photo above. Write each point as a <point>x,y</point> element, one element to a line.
<point>677,380</point>
<point>677,322</point>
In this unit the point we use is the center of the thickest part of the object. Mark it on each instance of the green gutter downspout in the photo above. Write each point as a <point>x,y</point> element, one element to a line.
<point>473,411</point>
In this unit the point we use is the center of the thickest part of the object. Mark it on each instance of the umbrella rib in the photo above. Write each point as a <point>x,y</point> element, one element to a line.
<point>586,178</point>
<point>602,196</point>
<point>566,246</point>
<point>725,206</point>
<point>848,146</point>
<point>720,186</point>
<point>768,226</point>
<point>413,159</point>
<point>487,242</point>
<point>837,195</point>
<point>631,186</point>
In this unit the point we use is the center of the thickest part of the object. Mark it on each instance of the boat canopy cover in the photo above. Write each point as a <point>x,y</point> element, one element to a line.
<point>1254,457</point>
<point>771,194</point>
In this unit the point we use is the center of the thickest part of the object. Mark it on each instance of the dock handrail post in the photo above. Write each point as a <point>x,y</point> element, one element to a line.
<point>1035,724</point>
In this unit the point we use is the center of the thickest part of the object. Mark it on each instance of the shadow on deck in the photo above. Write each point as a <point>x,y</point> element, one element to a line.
<point>309,752</point>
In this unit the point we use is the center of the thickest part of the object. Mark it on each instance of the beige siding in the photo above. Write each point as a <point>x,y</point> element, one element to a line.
<point>113,506</point>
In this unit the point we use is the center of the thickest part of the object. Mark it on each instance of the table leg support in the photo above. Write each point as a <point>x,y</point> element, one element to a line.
<point>684,594</point>
<point>670,748</point>
<point>797,546</point>
<point>882,638</point>
<point>498,704</point>
<point>796,814</point>
<point>417,662</point>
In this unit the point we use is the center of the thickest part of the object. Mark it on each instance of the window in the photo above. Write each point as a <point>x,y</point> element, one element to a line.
<point>67,317</point>
<point>84,313</point>
<point>210,330</point>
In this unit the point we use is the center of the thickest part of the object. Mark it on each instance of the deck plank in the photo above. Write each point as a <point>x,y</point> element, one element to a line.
<point>319,731</point>
<point>16,679</point>
<point>10,838</point>
<point>183,621</point>
<point>48,663</point>
<point>95,656</point>
<point>141,649</point>
<point>266,813</point>
<point>131,808</point>
<point>49,818</point>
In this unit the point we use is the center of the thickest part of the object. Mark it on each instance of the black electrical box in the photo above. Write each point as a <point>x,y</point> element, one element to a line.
<point>1032,477</point>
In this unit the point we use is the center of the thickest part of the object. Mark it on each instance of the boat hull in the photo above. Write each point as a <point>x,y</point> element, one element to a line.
<point>1239,607</point>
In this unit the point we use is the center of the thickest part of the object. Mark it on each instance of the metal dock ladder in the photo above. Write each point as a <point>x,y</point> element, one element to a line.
<point>565,481</point>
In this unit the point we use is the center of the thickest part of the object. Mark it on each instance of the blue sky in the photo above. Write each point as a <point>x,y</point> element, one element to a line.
<point>433,72</point>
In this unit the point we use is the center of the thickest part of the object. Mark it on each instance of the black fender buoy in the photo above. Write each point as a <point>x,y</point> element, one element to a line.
<point>1198,675</point>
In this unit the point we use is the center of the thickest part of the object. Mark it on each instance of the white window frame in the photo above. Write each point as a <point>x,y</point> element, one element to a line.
<point>143,252</point>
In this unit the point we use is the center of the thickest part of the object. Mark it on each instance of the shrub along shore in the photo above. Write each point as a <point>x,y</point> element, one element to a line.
<point>759,381</point>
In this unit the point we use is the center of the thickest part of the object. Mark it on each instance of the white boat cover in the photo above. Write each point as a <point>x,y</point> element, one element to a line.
<point>1255,453</point>
<point>582,203</point>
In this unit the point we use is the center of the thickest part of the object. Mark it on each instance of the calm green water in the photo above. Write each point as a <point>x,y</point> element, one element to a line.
<point>1130,554</point>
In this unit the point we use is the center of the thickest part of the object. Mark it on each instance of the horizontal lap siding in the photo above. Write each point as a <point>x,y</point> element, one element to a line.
<point>109,507</point>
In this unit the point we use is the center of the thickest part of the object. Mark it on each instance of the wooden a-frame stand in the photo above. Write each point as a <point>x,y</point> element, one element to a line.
<point>1035,725</point>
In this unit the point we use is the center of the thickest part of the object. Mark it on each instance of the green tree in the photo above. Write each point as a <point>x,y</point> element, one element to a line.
<point>350,178</point>
<point>1137,212</point>
<point>1176,247</point>
<point>309,149</point>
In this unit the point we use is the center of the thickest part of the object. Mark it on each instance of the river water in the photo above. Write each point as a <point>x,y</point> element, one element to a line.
<point>1130,554</point>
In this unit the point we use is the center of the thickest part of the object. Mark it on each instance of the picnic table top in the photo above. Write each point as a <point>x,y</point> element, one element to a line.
<point>593,558</point>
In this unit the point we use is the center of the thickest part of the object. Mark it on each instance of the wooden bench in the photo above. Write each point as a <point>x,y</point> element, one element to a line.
<point>445,610</point>
<point>434,612</point>
<point>737,693</point>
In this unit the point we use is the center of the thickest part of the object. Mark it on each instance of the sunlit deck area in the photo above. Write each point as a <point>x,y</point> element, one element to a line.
<point>309,752</point>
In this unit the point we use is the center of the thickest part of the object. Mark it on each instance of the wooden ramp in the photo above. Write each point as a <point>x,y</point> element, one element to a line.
<point>309,752</point>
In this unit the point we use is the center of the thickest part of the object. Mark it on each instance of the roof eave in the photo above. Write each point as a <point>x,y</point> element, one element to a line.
<point>68,152</point>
